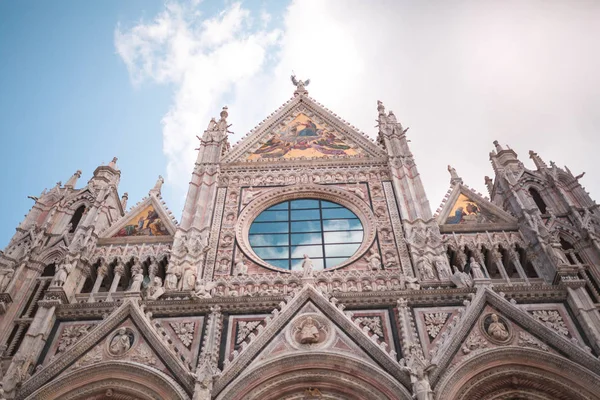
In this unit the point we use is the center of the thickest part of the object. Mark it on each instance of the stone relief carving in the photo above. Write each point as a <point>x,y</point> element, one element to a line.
<point>474,342</point>
<point>527,340</point>
<point>497,329</point>
<point>121,342</point>
<point>71,335</point>
<point>184,331</point>
<point>310,331</point>
<point>553,320</point>
<point>374,324</point>
<point>245,328</point>
<point>434,323</point>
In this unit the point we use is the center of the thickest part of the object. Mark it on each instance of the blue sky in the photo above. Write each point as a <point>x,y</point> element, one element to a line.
<point>83,81</point>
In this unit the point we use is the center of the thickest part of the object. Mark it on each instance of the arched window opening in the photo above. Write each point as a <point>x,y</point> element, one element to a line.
<point>526,263</point>
<point>539,201</point>
<point>49,270</point>
<point>451,254</point>
<point>468,254</point>
<point>490,265</point>
<point>76,218</point>
<point>89,281</point>
<point>570,252</point>
<point>509,265</point>
<point>29,310</point>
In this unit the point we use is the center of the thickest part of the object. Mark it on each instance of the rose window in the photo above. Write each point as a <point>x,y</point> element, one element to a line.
<point>327,232</point>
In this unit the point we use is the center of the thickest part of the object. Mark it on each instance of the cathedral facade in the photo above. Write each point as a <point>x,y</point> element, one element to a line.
<point>307,265</point>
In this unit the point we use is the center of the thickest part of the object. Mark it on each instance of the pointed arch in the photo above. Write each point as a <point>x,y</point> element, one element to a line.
<point>517,371</point>
<point>335,374</point>
<point>122,377</point>
<point>538,199</point>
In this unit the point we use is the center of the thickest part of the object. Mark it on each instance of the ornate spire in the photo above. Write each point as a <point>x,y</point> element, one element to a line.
<point>157,186</point>
<point>454,178</point>
<point>537,160</point>
<point>73,180</point>
<point>113,164</point>
<point>498,147</point>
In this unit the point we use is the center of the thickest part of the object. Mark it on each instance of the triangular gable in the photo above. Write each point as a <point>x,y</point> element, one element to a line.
<point>302,128</point>
<point>478,318</point>
<point>128,310</point>
<point>465,210</point>
<point>308,295</point>
<point>149,218</point>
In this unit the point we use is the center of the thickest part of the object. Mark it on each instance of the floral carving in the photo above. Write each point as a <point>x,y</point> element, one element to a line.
<point>184,331</point>
<point>527,340</point>
<point>144,356</point>
<point>553,320</point>
<point>71,335</point>
<point>474,342</point>
<point>92,357</point>
<point>245,328</point>
<point>374,324</point>
<point>434,323</point>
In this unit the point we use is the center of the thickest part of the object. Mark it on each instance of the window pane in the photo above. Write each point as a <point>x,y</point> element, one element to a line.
<point>306,238</point>
<point>280,206</point>
<point>338,213</point>
<point>306,226</point>
<point>268,216</point>
<point>285,264</point>
<point>344,237</point>
<point>341,250</point>
<point>272,252</point>
<point>328,204</point>
<point>270,227</point>
<point>311,251</point>
<point>341,224</point>
<point>269,240</point>
<point>334,262</point>
<point>301,215</point>
<point>299,204</point>
<point>297,263</point>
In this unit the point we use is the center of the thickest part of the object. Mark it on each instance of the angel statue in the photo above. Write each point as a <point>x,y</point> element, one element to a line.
<point>299,83</point>
<point>202,289</point>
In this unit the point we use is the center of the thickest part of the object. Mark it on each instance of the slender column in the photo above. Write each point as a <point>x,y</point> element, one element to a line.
<point>497,259</point>
<point>514,257</point>
<point>119,272</point>
<point>100,274</point>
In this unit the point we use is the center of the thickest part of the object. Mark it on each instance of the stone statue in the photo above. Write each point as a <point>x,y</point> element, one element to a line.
<point>202,289</point>
<point>188,278</point>
<point>476,270</point>
<point>6,275</point>
<point>137,274</point>
<point>240,268</point>
<point>411,283</point>
<point>461,279</point>
<point>421,387</point>
<point>62,273</point>
<point>155,290</point>
<point>204,383</point>
<point>557,251</point>
<point>309,332</point>
<point>425,268</point>
<point>173,275</point>
<point>443,269</point>
<point>374,260</point>
<point>497,330</point>
<point>120,343</point>
<point>307,267</point>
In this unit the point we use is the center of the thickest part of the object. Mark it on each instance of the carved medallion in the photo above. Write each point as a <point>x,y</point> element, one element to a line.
<point>120,342</point>
<point>310,331</point>
<point>496,328</point>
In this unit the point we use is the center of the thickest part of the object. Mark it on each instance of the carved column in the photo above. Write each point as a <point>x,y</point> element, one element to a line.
<point>207,362</point>
<point>496,258</point>
<point>100,274</point>
<point>119,271</point>
<point>514,257</point>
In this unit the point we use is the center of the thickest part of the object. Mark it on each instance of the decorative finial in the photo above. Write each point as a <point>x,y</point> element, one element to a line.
<point>490,185</point>
<point>158,185</point>
<point>73,179</point>
<point>498,147</point>
<point>124,200</point>
<point>300,85</point>
<point>537,160</point>
<point>113,163</point>
<point>454,178</point>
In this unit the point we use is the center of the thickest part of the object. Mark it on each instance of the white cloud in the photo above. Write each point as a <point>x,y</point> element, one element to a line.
<point>460,74</point>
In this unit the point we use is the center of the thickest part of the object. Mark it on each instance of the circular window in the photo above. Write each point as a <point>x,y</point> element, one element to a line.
<point>327,232</point>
